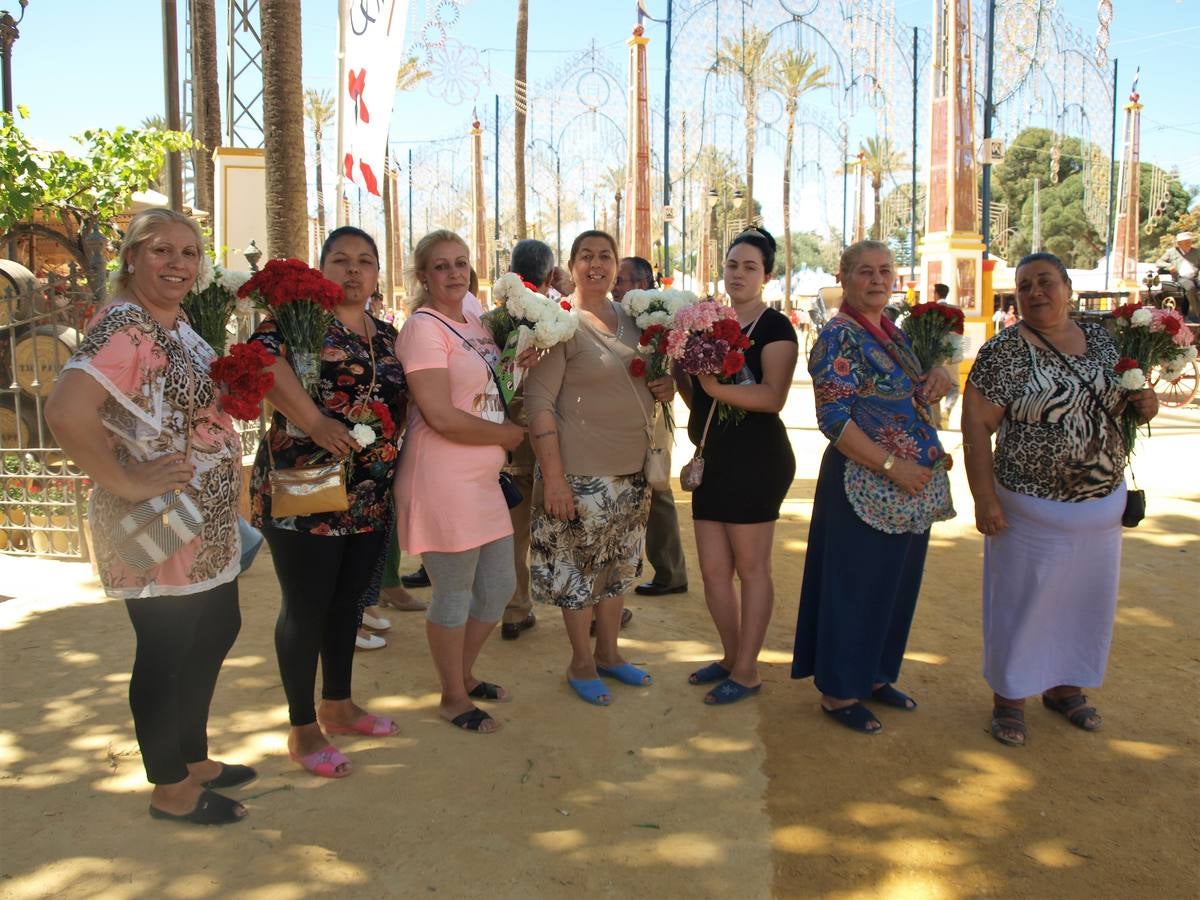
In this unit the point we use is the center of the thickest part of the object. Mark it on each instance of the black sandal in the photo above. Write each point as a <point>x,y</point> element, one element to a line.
<point>211,809</point>
<point>471,720</point>
<point>231,776</point>
<point>485,690</point>
<point>856,717</point>
<point>1074,709</point>
<point>1008,718</point>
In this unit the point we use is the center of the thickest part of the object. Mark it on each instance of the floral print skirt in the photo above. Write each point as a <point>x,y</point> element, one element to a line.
<point>598,554</point>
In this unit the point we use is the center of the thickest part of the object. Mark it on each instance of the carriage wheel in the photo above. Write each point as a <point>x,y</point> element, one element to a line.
<point>1180,391</point>
<point>810,338</point>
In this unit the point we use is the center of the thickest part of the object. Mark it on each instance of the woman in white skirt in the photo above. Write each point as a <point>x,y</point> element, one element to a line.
<point>1048,500</point>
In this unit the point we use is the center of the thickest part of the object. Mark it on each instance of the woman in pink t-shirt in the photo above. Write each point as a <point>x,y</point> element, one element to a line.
<point>449,505</point>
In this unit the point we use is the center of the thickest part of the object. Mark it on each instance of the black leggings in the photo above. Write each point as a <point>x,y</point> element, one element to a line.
<point>181,643</point>
<point>321,578</point>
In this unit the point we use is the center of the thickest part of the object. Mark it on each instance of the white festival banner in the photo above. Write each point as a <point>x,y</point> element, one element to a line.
<point>373,32</point>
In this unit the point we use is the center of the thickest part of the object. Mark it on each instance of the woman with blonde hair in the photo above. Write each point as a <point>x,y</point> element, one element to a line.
<point>449,505</point>
<point>136,409</point>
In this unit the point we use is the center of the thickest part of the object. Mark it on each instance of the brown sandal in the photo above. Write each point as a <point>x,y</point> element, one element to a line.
<point>1008,718</point>
<point>1074,708</point>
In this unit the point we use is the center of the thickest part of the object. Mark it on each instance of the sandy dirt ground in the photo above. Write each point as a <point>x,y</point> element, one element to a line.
<point>655,796</point>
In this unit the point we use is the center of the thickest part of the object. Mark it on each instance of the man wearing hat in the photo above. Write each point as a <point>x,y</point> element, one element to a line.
<point>1184,262</point>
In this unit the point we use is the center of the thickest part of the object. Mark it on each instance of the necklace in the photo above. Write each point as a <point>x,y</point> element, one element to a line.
<point>620,324</point>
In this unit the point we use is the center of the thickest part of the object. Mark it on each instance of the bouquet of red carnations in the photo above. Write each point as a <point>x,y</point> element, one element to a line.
<point>244,379</point>
<point>935,330</point>
<point>706,339</point>
<point>1147,337</point>
<point>301,301</point>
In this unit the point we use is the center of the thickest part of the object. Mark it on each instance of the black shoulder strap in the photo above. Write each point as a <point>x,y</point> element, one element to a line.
<point>491,371</point>
<point>1086,386</point>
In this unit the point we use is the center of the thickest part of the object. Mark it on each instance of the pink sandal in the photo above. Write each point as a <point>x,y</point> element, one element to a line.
<point>371,726</point>
<point>324,763</point>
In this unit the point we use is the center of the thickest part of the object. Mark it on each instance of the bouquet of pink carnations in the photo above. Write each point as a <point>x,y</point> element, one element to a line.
<point>706,339</point>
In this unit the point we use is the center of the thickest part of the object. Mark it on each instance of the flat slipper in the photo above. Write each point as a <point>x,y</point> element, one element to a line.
<point>730,691</point>
<point>889,696</point>
<point>590,690</point>
<point>211,809</point>
<point>627,673</point>
<point>371,726</point>
<point>856,717</point>
<point>471,720</point>
<point>231,776</point>
<point>324,763</point>
<point>485,690</point>
<point>710,673</point>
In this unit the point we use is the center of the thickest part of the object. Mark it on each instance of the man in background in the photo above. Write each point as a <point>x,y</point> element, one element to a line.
<point>1183,261</point>
<point>664,548</point>
<point>942,410</point>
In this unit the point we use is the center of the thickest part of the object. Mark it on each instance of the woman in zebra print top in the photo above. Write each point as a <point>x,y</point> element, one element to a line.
<point>1048,500</point>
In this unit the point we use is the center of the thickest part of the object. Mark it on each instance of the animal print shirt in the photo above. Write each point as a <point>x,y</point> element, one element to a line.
<point>1054,442</point>
<point>145,370</point>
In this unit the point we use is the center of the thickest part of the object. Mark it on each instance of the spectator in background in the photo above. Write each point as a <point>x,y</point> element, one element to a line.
<point>534,262</point>
<point>664,548</point>
<point>941,411</point>
<point>1183,261</point>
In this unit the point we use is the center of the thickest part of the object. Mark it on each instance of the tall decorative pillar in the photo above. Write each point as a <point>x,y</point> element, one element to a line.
<point>635,241</point>
<point>860,217</point>
<point>479,245</point>
<point>952,249</point>
<point>1125,233</point>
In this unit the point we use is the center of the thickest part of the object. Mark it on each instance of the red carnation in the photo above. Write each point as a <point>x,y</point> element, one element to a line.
<point>565,305</point>
<point>1171,325</point>
<point>650,335</point>
<point>734,360</point>
<point>637,367</point>
<point>1125,363</point>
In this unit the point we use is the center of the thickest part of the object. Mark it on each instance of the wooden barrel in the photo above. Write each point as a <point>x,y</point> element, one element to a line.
<point>40,355</point>
<point>17,432</point>
<point>17,287</point>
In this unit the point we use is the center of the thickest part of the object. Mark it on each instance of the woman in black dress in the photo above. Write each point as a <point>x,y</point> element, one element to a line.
<point>748,468</point>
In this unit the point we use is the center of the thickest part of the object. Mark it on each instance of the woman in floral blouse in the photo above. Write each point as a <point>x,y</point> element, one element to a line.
<point>882,483</point>
<point>117,408</point>
<point>324,561</point>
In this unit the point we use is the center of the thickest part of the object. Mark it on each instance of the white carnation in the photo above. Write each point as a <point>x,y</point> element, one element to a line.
<point>1133,379</point>
<point>205,276</point>
<point>1141,318</point>
<point>231,280</point>
<point>506,286</point>
<point>1189,352</point>
<point>364,435</point>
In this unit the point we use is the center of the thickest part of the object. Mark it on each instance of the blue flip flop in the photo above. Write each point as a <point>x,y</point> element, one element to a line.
<point>590,690</point>
<point>730,691</point>
<point>710,673</point>
<point>627,673</point>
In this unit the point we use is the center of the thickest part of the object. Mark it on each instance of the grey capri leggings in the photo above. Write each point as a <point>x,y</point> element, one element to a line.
<point>476,583</point>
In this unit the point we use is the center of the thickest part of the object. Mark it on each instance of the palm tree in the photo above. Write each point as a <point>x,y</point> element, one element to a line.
<point>881,159</point>
<point>206,99</point>
<point>795,74</point>
<point>747,58</point>
<point>319,110</point>
<point>520,98</point>
<point>283,130</point>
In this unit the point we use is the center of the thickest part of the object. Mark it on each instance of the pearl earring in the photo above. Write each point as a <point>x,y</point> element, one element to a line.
<point>129,268</point>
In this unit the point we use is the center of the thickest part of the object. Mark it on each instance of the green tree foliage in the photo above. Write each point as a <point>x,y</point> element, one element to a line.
<point>91,189</point>
<point>806,253</point>
<point>1066,230</point>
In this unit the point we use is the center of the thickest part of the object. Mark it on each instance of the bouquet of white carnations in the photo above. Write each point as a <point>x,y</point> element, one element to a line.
<point>525,318</point>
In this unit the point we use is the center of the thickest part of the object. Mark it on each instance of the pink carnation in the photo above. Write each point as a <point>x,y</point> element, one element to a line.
<point>676,342</point>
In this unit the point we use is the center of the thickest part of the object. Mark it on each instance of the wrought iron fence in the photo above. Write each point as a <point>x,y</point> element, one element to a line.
<point>43,495</point>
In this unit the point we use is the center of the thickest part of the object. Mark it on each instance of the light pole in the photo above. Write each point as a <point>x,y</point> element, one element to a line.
<point>557,193</point>
<point>618,228</point>
<point>8,36</point>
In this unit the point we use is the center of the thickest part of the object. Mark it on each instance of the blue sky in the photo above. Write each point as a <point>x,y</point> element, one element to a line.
<point>118,64</point>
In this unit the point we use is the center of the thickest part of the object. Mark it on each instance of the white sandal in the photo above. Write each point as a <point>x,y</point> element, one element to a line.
<point>369,642</point>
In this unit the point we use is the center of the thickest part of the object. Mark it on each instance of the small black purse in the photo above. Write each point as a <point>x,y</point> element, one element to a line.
<point>512,493</point>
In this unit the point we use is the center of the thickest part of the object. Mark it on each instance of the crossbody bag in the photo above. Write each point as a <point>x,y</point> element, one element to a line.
<point>508,484</point>
<point>691,476</point>
<point>156,529</point>
<point>1135,500</point>
<point>656,467</point>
